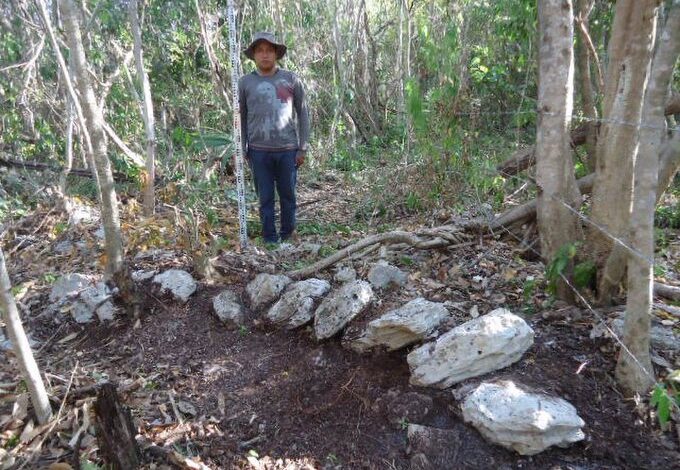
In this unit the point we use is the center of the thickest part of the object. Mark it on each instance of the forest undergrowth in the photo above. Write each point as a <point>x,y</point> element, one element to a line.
<point>256,397</point>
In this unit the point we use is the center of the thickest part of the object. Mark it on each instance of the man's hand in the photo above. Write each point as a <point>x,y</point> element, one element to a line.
<point>299,159</point>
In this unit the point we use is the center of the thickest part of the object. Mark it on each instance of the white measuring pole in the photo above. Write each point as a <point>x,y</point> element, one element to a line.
<point>235,67</point>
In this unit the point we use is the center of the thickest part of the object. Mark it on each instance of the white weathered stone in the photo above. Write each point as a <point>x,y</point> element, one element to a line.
<point>82,214</point>
<point>156,254</point>
<point>296,306</point>
<point>266,288</point>
<point>341,307</point>
<point>382,274</point>
<point>409,324</point>
<point>482,345</point>
<point>69,287</point>
<point>527,423</point>
<point>228,308</point>
<point>85,295</point>
<point>180,283</point>
<point>142,275</point>
<point>345,274</point>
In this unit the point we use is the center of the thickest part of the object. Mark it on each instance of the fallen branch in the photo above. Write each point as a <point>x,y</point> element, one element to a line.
<point>427,239</point>
<point>666,291</point>
<point>9,163</point>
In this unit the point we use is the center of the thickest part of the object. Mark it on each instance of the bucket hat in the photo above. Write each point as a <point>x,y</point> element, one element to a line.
<point>268,37</point>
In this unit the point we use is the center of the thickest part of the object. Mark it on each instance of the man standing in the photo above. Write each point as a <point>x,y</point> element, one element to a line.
<point>275,130</point>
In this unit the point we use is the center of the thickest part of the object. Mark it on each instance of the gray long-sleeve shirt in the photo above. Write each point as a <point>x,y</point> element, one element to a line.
<point>273,112</point>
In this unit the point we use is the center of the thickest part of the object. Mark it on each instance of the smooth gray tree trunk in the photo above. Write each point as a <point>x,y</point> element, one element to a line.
<point>630,55</point>
<point>94,123</point>
<point>634,368</point>
<point>147,112</point>
<point>557,189</point>
<point>22,350</point>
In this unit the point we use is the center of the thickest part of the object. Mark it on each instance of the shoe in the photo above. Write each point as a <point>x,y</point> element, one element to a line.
<point>292,238</point>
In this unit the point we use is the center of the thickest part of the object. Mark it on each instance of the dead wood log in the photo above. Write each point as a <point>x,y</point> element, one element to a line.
<point>427,239</point>
<point>524,212</point>
<point>115,431</point>
<point>37,166</point>
<point>666,291</point>
<point>525,158</point>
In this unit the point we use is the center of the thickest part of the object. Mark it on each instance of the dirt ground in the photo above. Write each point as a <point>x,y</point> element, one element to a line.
<point>259,397</point>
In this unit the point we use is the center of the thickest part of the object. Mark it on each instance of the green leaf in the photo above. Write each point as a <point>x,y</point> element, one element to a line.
<point>662,401</point>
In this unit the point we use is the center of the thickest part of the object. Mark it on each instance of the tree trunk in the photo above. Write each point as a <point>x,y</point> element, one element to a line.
<point>555,179</point>
<point>634,368</point>
<point>95,126</point>
<point>147,107</point>
<point>115,431</point>
<point>68,153</point>
<point>66,76</point>
<point>22,350</point>
<point>587,91</point>
<point>630,53</point>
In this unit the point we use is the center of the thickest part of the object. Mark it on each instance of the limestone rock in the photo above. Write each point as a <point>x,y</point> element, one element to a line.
<point>345,274</point>
<point>85,295</point>
<point>341,307</point>
<point>265,288</point>
<point>383,274</point>
<point>143,275</point>
<point>180,283</point>
<point>482,345</point>
<point>409,324</point>
<point>525,422</point>
<point>228,308</point>
<point>81,213</point>
<point>296,306</point>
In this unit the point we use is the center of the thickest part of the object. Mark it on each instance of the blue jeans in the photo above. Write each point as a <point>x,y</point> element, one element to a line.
<point>275,168</point>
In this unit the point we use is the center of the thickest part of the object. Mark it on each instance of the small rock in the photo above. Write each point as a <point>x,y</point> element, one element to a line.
<point>85,295</point>
<point>482,345</point>
<point>296,306</point>
<point>228,308</point>
<point>82,214</point>
<point>527,423</point>
<point>63,247</point>
<point>266,288</point>
<point>383,274</point>
<point>143,275</point>
<point>341,307</point>
<point>186,408</point>
<point>100,233</point>
<point>180,283</point>
<point>155,255</point>
<point>474,311</point>
<point>345,274</point>
<point>398,328</point>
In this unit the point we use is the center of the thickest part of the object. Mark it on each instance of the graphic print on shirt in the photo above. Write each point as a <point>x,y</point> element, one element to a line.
<point>274,101</point>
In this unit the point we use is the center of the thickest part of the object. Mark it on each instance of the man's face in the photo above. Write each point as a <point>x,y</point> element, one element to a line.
<point>265,56</point>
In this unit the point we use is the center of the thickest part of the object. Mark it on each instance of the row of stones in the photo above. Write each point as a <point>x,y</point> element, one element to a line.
<point>503,412</point>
